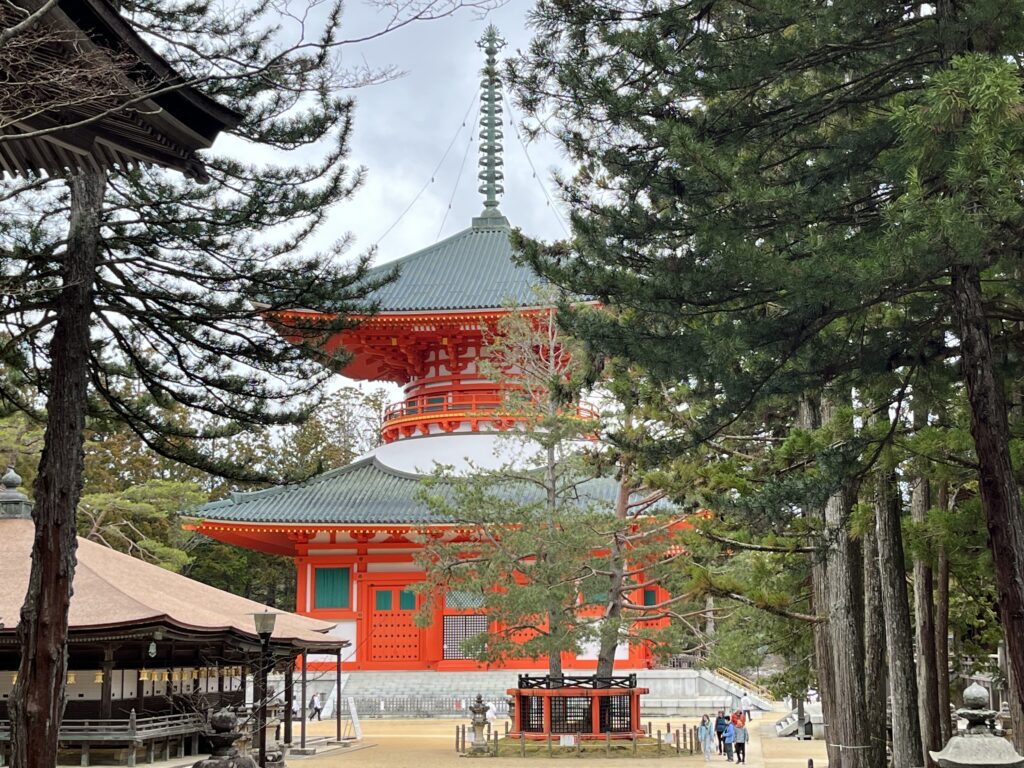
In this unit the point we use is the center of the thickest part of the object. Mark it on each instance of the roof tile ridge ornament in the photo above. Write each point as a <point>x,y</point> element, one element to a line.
<point>491,135</point>
<point>14,505</point>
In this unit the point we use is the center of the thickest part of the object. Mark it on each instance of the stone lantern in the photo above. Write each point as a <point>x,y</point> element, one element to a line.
<point>479,723</point>
<point>978,747</point>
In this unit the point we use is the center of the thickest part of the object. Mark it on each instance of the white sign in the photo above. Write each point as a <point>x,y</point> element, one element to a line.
<point>566,741</point>
<point>353,716</point>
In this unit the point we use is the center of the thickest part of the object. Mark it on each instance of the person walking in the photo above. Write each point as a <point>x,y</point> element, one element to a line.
<point>720,722</point>
<point>729,739</point>
<point>741,738</point>
<point>706,737</point>
<point>746,705</point>
<point>315,707</point>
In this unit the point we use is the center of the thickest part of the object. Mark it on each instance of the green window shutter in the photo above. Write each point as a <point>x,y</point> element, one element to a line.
<point>407,600</point>
<point>382,600</point>
<point>331,588</point>
<point>650,597</point>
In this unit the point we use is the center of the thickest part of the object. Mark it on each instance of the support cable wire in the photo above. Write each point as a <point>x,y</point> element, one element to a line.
<point>455,187</point>
<point>533,168</point>
<point>433,175</point>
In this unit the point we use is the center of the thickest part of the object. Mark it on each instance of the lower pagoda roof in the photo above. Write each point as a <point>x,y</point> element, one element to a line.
<point>366,492</point>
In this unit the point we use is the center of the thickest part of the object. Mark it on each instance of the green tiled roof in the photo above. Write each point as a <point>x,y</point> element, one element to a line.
<point>472,269</point>
<point>366,492</point>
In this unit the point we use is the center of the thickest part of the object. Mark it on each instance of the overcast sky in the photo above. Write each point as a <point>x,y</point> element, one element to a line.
<point>403,127</point>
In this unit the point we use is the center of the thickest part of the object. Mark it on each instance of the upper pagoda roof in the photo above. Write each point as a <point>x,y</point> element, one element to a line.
<point>363,493</point>
<point>471,270</point>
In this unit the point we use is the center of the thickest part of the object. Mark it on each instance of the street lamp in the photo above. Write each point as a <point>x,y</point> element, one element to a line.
<point>264,622</point>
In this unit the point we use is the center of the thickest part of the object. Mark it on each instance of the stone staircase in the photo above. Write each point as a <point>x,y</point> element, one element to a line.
<point>448,694</point>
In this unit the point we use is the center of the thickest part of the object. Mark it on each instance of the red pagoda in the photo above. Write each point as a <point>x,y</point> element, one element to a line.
<point>354,532</point>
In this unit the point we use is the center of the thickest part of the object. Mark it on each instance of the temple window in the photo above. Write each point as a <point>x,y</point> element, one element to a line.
<point>331,588</point>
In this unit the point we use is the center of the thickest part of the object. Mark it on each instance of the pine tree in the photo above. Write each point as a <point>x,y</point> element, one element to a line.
<point>758,184</point>
<point>133,294</point>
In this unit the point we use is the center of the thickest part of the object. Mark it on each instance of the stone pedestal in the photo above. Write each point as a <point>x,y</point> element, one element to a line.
<point>225,754</point>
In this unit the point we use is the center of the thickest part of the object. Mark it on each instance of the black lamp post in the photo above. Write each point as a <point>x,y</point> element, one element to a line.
<point>264,628</point>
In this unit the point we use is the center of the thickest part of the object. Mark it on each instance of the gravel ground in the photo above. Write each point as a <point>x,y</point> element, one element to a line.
<point>431,744</point>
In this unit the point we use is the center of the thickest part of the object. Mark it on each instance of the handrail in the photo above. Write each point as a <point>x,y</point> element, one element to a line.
<point>745,682</point>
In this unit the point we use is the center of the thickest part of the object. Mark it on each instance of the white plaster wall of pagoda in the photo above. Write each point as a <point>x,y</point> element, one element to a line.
<point>463,451</point>
<point>589,651</point>
<point>346,630</point>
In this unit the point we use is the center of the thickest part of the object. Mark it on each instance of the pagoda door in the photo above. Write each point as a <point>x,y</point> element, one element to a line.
<point>394,638</point>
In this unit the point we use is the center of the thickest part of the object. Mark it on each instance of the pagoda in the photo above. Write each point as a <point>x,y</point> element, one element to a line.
<point>353,532</point>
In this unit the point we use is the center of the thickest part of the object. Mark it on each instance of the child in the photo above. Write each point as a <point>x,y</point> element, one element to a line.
<point>729,738</point>
<point>741,739</point>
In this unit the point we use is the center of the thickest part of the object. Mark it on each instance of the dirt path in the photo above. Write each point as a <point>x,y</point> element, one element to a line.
<point>431,744</point>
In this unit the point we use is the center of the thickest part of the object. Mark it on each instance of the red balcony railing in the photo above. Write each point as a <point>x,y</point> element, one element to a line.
<point>450,409</point>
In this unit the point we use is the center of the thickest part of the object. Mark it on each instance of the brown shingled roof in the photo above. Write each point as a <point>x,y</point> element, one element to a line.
<point>116,591</point>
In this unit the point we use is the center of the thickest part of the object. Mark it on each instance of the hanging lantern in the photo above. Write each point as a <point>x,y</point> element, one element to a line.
<point>166,677</point>
<point>203,673</point>
<point>144,675</point>
<point>195,674</point>
<point>98,677</point>
<point>14,678</point>
<point>72,678</point>
<point>176,675</point>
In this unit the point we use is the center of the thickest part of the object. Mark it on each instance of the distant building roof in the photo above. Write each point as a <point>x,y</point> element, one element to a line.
<point>116,592</point>
<point>473,269</point>
<point>363,493</point>
<point>164,129</point>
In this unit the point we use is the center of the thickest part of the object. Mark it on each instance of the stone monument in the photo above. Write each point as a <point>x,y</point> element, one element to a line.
<point>479,722</point>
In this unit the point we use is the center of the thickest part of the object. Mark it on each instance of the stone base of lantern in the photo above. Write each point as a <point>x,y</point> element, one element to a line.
<point>584,707</point>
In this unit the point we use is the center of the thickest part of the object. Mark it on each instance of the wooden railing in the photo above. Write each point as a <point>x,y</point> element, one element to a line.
<point>576,681</point>
<point>124,729</point>
<point>459,402</point>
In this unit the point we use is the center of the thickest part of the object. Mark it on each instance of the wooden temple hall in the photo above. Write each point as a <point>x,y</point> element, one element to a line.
<point>151,652</point>
<point>108,100</point>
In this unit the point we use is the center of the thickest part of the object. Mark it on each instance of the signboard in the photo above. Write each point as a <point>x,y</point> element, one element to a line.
<point>566,741</point>
<point>353,716</point>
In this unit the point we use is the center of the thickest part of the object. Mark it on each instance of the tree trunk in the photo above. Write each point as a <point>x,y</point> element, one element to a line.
<point>37,704</point>
<point>609,639</point>
<point>809,418</point>
<point>1016,711</point>
<point>942,627</point>
<point>709,616</point>
<point>1000,496</point>
<point>845,596</point>
<point>924,621</point>
<point>875,695</point>
<point>906,728</point>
